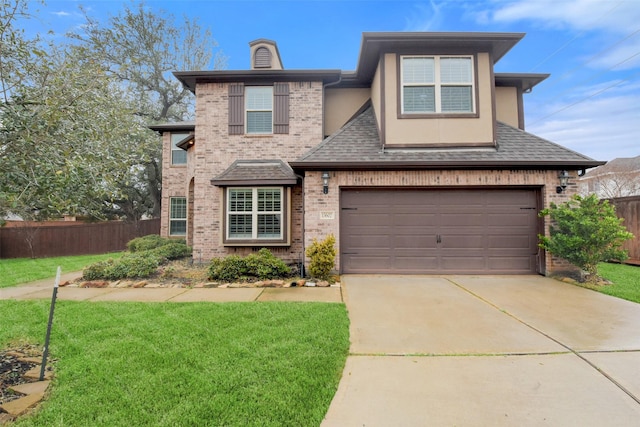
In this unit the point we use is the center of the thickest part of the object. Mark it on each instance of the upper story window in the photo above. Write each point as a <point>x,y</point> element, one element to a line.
<point>259,109</point>
<point>178,155</point>
<point>437,84</point>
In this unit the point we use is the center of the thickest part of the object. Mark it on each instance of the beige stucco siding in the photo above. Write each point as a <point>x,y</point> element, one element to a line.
<point>376,95</point>
<point>434,130</point>
<point>341,105</point>
<point>507,105</point>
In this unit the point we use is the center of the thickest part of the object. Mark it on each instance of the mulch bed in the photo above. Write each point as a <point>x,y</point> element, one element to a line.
<point>13,368</point>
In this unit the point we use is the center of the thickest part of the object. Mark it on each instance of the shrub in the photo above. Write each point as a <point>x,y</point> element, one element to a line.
<point>585,231</point>
<point>147,253</point>
<point>149,242</point>
<point>97,270</point>
<point>265,265</point>
<point>261,265</point>
<point>227,269</point>
<point>323,257</point>
<point>172,250</point>
<point>129,266</point>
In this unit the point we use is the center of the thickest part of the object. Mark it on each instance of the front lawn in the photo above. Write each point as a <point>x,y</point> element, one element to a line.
<point>625,278</point>
<point>14,271</point>
<point>192,364</point>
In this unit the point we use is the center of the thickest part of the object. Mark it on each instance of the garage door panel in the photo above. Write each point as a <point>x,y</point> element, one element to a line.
<point>515,219</point>
<point>419,242</point>
<point>416,264</point>
<point>512,242</point>
<point>464,241</point>
<point>506,263</point>
<point>438,230</point>
<point>469,264</point>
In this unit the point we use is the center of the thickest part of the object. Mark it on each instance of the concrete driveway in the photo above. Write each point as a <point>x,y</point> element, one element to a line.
<point>487,351</point>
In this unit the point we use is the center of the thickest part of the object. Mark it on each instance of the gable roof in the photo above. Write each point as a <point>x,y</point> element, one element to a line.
<point>357,146</point>
<point>617,165</point>
<point>256,172</point>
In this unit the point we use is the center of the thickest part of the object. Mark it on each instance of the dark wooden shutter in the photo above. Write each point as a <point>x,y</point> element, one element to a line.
<point>281,108</point>
<point>236,109</point>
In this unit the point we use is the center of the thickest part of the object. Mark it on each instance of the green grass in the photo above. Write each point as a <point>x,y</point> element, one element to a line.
<point>625,278</point>
<point>192,364</point>
<point>14,271</point>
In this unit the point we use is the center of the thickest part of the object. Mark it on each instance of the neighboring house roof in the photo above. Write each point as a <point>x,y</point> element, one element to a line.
<point>618,165</point>
<point>357,146</point>
<point>256,172</point>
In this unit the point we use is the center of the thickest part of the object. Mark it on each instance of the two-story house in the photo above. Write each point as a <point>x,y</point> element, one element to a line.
<point>620,177</point>
<point>417,161</point>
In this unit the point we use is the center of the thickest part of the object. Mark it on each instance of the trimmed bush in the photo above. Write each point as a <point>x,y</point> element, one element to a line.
<point>323,257</point>
<point>147,254</point>
<point>265,265</point>
<point>149,242</point>
<point>227,269</point>
<point>127,267</point>
<point>260,265</point>
<point>172,250</point>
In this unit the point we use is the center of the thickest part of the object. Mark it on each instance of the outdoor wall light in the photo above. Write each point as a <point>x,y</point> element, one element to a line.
<point>325,182</point>
<point>563,176</point>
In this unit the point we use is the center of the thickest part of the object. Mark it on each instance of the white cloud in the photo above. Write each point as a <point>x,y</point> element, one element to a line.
<point>603,127</point>
<point>61,13</point>
<point>428,17</point>
<point>588,15</point>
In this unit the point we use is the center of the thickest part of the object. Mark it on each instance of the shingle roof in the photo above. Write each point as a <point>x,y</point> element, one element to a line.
<point>618,165</point>
<point>357,146</point>
<point>256,172</point>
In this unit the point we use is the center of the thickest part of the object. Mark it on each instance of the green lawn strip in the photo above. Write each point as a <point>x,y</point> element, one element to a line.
<point>195,364</point>
<point>625,278</point>
<point>14,271</point>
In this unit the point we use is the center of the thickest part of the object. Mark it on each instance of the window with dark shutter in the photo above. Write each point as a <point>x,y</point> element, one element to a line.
<point>236,109</point>
<point>281,108</point>
<point>262,58</point>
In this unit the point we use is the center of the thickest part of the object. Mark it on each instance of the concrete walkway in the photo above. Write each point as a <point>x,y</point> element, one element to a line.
<point>487,351</point>
<point>43,289</point>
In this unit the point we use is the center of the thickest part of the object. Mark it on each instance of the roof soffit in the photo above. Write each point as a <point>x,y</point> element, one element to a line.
<point>374,44</point>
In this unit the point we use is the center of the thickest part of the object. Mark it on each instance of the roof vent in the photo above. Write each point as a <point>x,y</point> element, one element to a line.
<point>262,58</point>
<point>265,55</point>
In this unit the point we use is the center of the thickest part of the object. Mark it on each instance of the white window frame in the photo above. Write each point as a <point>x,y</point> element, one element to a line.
<point>247,109</point>
<point>437,84</point>
<point>255,213</point>
<point>173,219</point>
<point>175,148</point>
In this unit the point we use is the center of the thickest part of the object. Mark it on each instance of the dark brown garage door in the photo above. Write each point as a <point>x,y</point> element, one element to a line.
<point>438,231</point>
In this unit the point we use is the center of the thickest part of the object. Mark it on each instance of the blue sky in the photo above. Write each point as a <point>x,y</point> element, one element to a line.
<point>591,102</point>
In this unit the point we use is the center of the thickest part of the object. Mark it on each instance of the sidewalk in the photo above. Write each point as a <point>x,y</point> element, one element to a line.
<point>42,289</point>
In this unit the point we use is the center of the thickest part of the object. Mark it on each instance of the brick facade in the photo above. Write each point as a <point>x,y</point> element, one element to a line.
<point>316,202</point>
<point>215,150</point>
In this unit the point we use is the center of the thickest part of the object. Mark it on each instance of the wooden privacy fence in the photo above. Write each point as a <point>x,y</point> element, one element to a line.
<point>57,238</point>
<point>629,209</point>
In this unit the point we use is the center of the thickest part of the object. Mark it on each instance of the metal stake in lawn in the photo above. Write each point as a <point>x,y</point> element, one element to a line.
<point>45,352</point>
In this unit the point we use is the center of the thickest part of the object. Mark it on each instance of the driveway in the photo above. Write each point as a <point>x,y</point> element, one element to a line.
<point>487,351</point>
